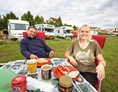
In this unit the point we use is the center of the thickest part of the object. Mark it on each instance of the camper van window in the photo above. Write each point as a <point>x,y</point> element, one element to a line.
<point>38,29</point>
<point>58,31</point>
<point>65,32</point>
<point>43,30</point>
<point>46,30</point>
<point>68,31</point>
<point>49,30</point>
<point>12,26</point>
<point>19,26</point>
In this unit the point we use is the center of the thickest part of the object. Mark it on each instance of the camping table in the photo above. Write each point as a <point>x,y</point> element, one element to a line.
<point>19,67</point>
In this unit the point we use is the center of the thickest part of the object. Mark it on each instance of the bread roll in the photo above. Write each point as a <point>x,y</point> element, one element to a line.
<point>73,74</point>
<point>42,60</point>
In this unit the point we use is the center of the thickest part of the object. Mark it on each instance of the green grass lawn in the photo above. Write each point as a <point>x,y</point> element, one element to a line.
<point>10,51</point>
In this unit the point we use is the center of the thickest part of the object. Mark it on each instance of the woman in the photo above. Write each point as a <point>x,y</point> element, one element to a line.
<point>85,50</point>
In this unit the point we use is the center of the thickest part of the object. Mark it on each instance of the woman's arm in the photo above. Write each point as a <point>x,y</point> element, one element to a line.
<point>71,59</point>
<point>100,69</point>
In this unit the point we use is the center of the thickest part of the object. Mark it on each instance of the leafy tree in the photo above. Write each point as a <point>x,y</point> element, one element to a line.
<point>39,20</point>
<point>2,24</point>
<point>28,17</point>
<point>10,15</point>
<point>4,20</point>
<point>58,22</point>
<point>75,28</point>
<point>67,25</point>
<point>51,22</point>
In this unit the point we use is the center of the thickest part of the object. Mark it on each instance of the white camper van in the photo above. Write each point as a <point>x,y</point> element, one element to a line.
<point>16,28</point>
<point>47,28</point>
<point>94,32</point>
<point>63,32</point>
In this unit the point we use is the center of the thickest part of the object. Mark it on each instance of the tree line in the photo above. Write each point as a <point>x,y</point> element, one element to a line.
<point>31,19</point>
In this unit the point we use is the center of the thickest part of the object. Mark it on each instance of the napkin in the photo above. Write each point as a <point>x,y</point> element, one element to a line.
<point>33,84</point>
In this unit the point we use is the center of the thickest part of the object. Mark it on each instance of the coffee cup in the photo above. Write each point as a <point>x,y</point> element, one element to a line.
<point>46,72</point>
<point>32,65</point>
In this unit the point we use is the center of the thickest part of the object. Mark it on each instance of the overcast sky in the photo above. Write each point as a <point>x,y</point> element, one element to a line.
<point>100,13</point>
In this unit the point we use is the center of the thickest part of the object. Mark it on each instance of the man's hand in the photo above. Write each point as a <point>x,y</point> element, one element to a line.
<point>32,56</point>
<point>51,54</point>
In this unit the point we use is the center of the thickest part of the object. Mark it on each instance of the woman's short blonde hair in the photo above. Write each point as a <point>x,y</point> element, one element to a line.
<point>89,31</point>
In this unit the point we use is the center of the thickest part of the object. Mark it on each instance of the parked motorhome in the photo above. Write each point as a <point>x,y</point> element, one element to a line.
<point>94,32</point>
<point>16,28</point>
<point>47,28</point>
<point>63,32</point>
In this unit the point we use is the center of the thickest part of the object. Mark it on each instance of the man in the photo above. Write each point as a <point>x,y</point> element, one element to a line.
<point>5,34</point>
<point>33,47</point>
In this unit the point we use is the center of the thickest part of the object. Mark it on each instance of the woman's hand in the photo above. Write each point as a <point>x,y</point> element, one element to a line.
<point>72,61</point>
<point>100,71</point>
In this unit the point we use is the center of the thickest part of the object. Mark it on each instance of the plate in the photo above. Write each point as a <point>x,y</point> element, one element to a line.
<point>58,73</point>
<point>40,64</point>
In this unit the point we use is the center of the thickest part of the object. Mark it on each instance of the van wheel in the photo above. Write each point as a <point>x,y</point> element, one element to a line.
<point>52,38</point>
<point>14,39</point>
<point>71,37</point>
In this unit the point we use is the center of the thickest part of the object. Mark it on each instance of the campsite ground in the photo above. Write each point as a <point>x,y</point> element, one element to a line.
<point>10,51</point>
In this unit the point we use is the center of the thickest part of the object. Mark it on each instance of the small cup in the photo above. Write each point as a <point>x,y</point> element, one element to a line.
<point>32,65</point>
<point>46,72</point>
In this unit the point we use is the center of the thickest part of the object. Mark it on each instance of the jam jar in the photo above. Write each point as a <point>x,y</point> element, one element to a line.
<point>65,84</point>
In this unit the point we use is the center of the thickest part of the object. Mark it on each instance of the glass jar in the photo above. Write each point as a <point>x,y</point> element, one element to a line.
<point>65,84</point>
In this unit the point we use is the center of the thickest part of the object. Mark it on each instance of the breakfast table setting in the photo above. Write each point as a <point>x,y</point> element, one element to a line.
<point>47,75</point>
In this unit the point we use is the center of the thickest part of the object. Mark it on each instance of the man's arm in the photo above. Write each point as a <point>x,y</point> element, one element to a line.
<point>50,50</point>
<point>24,49</point>
<point>46,47</point>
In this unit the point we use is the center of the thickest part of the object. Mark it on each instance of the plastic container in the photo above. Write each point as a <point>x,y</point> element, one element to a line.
<point>19,84</point>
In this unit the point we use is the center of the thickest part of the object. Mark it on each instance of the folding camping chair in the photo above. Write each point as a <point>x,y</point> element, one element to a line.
<point>101,41</point>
